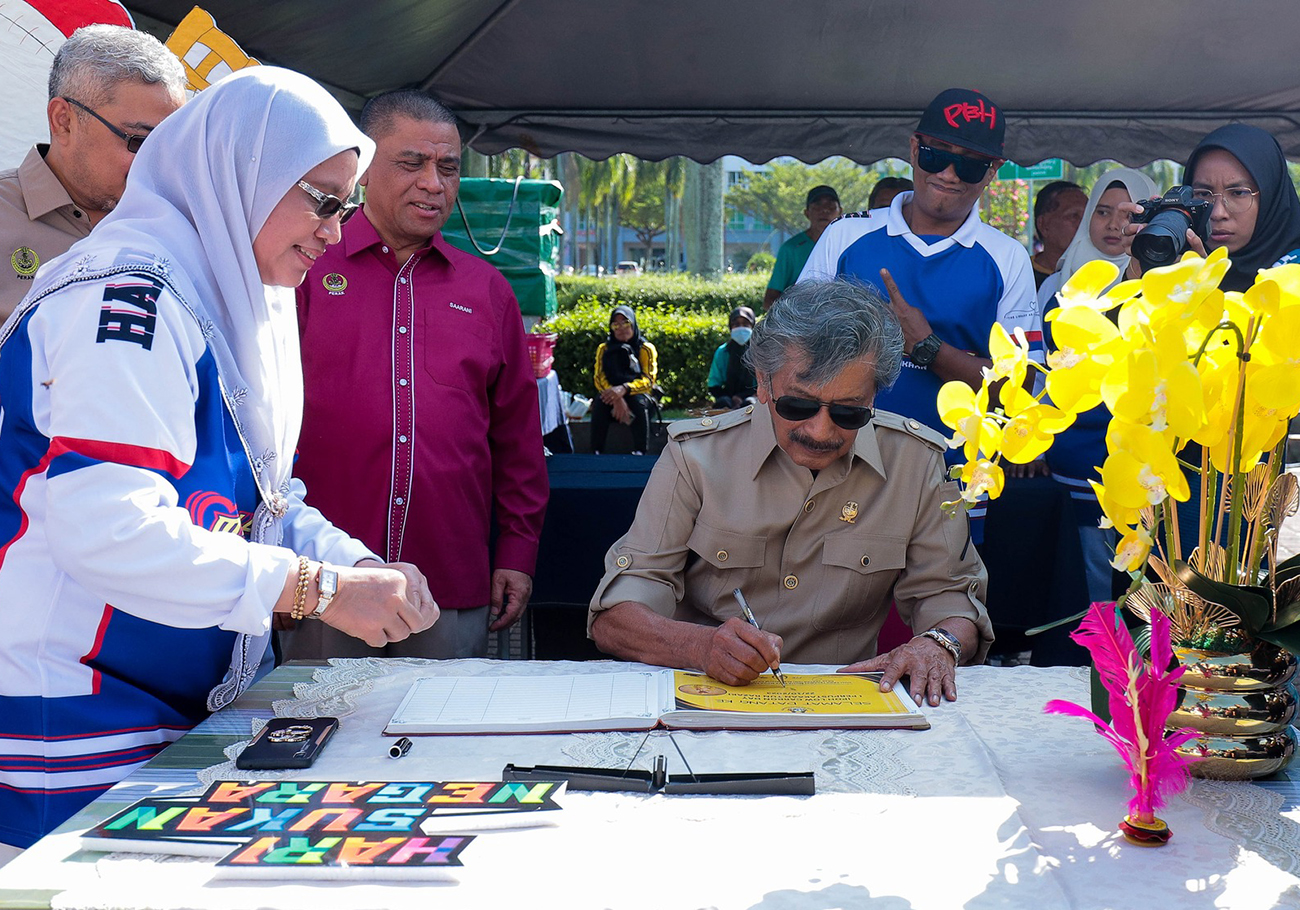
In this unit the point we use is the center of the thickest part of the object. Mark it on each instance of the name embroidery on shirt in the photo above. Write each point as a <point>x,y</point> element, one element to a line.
<point>457,306</point>
<point>335,284</point>
<point>25,262</point>
<point>131,312</point>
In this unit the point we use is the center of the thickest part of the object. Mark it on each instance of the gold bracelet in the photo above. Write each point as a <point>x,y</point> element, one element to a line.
<point>300,593</point>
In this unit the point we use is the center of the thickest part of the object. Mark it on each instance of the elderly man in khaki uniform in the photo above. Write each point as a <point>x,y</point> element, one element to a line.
<point>819,512</point>
<point>109,87</point>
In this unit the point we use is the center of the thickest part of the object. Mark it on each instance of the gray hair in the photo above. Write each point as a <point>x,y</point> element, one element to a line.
<point>96,57</point>
<point>378,114</point>
<point>830,324</point>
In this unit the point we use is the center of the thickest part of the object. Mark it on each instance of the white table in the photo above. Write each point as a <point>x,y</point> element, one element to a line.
<point>996,806</point>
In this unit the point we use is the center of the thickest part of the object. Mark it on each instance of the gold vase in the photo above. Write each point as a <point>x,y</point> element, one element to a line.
<point>1243,705</point>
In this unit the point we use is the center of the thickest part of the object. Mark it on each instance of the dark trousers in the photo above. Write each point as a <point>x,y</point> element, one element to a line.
<point>602,414</point>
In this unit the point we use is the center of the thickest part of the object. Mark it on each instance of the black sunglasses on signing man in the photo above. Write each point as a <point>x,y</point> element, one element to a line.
<point>844,416</point>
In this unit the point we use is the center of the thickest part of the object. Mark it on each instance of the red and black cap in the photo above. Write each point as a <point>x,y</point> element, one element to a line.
<point>965,118</point>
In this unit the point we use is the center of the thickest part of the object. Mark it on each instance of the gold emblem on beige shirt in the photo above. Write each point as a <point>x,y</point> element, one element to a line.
<point>25,261</point>
<point>850,512</point>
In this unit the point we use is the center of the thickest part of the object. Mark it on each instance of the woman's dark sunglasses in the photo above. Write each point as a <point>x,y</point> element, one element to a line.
<point>935,161</point>
<point>844,416</point>
<point>133,141</point>
<point>328,206</point>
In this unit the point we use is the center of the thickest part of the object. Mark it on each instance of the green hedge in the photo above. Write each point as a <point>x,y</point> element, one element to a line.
<point>685,339</point>
<point>661,289</point>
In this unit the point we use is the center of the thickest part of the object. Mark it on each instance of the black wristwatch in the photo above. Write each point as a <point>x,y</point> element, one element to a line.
<point>925,350</point>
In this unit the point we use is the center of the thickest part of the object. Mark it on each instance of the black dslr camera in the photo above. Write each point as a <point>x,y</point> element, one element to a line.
<point>1167,218</point>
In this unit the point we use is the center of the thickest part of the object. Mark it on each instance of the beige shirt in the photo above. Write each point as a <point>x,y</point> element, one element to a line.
<point>819,559</point>
<point>38,221</point>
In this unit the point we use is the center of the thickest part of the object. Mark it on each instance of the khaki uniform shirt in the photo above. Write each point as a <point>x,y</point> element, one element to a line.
<point>819,558</point>
<point>38,221</point>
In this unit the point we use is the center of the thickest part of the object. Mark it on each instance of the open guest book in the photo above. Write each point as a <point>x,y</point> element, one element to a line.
<point>642,699</point>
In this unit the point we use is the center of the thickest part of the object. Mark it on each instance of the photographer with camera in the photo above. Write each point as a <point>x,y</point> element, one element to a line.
<point>1238,195</point>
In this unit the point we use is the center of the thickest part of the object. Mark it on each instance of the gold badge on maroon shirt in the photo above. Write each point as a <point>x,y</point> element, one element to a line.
<point>850,512</point>
<point>334,283</point>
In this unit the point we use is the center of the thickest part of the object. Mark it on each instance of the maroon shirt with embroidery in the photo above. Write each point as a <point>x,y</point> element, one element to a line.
<point>421,412</point>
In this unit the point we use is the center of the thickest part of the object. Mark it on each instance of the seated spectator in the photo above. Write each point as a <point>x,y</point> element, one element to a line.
<point>627,367</point>
<point>820,512</point>
<point>1058,211</point>
<point>886,188</point>
<point>731,381</point>
<point>1077,454</point>
<point>150,398</point>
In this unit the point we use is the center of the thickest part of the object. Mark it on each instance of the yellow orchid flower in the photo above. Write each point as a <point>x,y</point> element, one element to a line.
<point>1140,469</point>
<point>1032,426</point>
<point>1132,550</point>
<point>1186,283</point>
<point>1087,286</point>
<point>1114,514</point>
<point>965,411</point>
<point>1010,355</point>
<point>1275,360</point>
<point>980,479</point>
<point>1156,386</point>
<point>1287,279</point>
<point>1085,340</point>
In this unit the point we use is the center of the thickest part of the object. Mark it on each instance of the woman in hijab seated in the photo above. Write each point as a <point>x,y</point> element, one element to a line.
<point>150,401</point>
<point>626,369</point>
<point>1077,453</point>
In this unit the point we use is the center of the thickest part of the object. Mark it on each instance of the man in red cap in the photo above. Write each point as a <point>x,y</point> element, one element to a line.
<point>949,276</point>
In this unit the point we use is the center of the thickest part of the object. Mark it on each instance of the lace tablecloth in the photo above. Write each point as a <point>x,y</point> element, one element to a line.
<point>996,805</point>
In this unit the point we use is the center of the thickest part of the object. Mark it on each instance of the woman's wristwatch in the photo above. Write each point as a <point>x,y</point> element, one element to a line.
<point>946,640</point>
<point>327,582</point>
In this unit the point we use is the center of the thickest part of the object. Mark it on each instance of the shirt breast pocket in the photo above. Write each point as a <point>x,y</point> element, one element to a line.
<point>727,560</point>
<point>456,350</point>
<point>858,575</point>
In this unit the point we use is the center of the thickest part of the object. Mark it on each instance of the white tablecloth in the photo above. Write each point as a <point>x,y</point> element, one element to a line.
<point>996,806</point>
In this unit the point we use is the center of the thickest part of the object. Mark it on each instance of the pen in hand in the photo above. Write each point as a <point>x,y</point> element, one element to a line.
<point>749,618</point>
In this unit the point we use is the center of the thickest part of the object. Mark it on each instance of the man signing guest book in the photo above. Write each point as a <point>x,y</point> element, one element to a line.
<point>820,510</point>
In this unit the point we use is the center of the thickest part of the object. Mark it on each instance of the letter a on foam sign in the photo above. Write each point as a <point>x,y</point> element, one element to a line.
<point>207,53</point>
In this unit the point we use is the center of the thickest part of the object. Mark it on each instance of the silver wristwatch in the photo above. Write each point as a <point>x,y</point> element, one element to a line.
<point>327,581</point>
<point>946,640</point>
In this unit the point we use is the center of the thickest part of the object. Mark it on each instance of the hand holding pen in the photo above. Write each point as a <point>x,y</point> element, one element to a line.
<point>753,621</point>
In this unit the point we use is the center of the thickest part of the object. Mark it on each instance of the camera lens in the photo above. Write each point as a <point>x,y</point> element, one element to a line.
<point>1163,240</point>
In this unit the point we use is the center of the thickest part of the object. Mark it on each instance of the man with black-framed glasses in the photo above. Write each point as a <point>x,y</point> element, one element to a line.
<point>948,275</point>
<point>109,87</point>
<point>821,508</point>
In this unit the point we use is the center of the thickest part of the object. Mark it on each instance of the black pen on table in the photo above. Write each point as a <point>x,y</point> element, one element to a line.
<point>749,618</point>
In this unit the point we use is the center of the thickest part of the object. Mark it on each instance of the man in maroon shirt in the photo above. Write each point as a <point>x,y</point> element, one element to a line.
<point>421,418</point>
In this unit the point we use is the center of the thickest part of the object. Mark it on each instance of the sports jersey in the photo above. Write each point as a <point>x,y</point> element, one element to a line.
<point>128,589</point>
<point>963,284</point>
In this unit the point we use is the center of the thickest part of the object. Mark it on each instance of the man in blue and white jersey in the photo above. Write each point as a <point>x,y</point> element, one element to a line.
<point>948,275</point>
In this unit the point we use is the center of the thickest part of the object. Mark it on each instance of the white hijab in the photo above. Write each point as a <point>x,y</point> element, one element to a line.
<point>199,192</point>
<point>1081,251</point>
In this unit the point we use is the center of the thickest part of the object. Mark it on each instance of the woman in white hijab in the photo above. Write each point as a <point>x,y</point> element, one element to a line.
<point>1076,455</point>
<point>1100,234</point>
<point>150,401</point>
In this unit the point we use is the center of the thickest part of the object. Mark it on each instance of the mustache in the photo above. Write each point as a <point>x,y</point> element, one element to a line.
<point>815,445</point>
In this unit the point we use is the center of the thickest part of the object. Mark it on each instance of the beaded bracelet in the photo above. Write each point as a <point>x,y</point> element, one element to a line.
<point>300,593</point>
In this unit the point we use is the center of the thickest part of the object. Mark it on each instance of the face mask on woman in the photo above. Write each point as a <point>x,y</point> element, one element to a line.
<point>741,334</point>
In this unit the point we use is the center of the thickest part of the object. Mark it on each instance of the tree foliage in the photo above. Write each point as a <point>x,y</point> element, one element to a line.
<point>775,195</point>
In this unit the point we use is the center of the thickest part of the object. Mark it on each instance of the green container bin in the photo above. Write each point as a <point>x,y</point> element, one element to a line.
<point>515,225</point>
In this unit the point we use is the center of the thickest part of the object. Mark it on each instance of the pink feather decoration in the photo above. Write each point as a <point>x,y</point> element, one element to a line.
<point>1142,696</point>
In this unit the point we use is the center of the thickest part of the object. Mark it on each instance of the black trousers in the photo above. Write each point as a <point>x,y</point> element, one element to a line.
<point>602,415</point>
